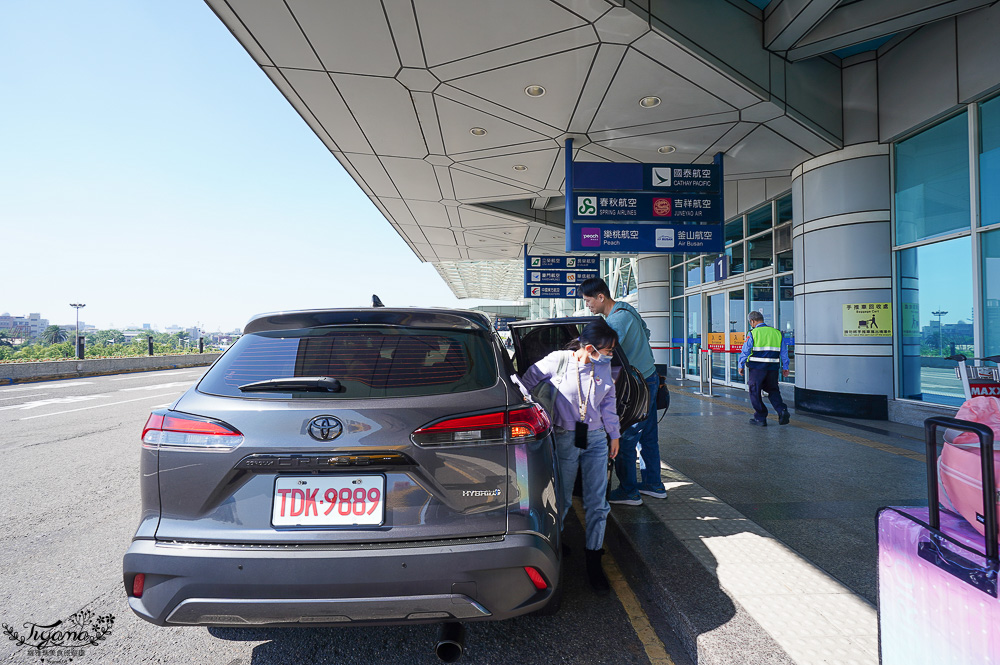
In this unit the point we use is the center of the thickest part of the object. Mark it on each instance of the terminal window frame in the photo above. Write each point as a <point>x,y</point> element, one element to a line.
<point>980,120</point>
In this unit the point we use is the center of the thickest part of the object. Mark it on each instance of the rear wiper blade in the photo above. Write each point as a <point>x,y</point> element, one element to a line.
<point>323,384</point>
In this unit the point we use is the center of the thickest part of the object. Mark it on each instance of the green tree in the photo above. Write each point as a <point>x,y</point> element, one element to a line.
<point>6,339</point>
<point>54,335</point>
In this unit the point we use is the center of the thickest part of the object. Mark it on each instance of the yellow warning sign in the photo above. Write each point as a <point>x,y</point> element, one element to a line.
<point>872,319</point>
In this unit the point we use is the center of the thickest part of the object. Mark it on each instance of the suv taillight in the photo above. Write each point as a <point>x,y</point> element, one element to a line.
<point>170,430</point>
<point>514,426</point>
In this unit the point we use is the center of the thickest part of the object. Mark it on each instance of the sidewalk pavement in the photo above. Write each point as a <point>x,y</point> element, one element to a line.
<point>764,550</point>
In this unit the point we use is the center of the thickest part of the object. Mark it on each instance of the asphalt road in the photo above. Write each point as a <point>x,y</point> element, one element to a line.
<point>69,503</point>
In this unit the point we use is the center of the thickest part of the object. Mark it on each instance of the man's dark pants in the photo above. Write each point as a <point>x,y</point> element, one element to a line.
<point>766,380</point>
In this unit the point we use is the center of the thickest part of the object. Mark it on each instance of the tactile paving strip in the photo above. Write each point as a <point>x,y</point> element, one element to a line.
<point>811,615</point>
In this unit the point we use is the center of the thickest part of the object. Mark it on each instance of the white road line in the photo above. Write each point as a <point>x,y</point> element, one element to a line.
<point>98,406</point>
<point>24,396</point>
<point>69,399</point>
<point>144,375</point>
<point>46,386</point>
<point>156,386</point>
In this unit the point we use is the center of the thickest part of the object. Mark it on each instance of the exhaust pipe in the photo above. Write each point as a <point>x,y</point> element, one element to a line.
<point>451,643</point>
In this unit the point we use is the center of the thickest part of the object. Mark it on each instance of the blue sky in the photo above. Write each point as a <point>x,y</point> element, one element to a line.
<point>150,170</point>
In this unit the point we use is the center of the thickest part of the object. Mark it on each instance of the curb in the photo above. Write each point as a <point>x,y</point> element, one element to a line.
<point>712,628</point>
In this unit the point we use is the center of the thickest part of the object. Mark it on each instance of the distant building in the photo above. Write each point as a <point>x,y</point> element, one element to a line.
<point>23,327</point>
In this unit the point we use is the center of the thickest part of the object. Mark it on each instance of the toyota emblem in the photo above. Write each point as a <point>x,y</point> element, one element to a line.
<point>325,428</point>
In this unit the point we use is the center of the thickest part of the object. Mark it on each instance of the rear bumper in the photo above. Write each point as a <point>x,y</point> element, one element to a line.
<point>228,585</point>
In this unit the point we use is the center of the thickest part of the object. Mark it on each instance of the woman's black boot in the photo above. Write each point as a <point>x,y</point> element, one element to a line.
<point>595,573</point>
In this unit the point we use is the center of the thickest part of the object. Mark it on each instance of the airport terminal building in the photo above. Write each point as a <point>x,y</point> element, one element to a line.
<point>860,143</point>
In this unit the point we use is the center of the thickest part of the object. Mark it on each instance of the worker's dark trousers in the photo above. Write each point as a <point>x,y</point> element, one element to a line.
<point>766,380</point>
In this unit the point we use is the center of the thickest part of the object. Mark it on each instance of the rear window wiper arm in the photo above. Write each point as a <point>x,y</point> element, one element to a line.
<point>323,384</point>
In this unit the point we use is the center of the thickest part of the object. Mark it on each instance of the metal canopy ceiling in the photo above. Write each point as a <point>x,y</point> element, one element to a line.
<point>395,88</point>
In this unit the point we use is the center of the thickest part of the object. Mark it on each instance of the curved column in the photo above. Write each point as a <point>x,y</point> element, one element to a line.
<point>653,279</point>
<point>842,256</point>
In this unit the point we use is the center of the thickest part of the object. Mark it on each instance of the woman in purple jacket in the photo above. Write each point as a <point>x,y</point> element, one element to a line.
<point>585,418</point>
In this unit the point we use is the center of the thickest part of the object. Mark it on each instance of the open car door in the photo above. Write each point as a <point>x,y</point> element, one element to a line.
<point>533,340</point>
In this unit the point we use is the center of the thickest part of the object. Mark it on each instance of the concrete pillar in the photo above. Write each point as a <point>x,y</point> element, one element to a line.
<point>843,255</point>
<point>653,279</point>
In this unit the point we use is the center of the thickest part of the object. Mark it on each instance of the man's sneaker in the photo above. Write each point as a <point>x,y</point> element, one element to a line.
<point>653,491</point>
<point>783,417</point>
<point>619,497</point>
<point>758,423</point>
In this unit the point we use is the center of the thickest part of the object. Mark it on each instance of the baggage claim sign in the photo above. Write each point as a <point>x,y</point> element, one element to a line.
<point>648,208</point>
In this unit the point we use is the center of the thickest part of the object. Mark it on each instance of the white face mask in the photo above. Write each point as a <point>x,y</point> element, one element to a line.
<point>597,357</point>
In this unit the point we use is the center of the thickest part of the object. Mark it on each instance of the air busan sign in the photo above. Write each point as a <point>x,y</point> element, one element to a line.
<point>632,208</point>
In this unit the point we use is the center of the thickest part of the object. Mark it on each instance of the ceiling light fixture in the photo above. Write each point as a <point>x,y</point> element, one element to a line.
<point>520,167</point>
<point>649,102</point>
<point>477,131</point>
<point>666,149</point>
<point>534,91</point>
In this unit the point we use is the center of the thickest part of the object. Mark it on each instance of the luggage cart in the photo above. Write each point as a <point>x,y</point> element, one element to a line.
<point>978,380</point>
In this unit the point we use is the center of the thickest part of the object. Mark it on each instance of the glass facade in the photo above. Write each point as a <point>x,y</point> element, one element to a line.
<point>694,272</point>
<point>946,263</point>
<point>760,251</point>
<point>947,251</point>
<point>991,293</point>
<point>712,315</point>
<point>936,307</point>
<point>989,161</point>
<point>932,182</point>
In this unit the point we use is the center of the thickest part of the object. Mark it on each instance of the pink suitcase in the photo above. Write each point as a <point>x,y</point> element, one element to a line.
<point>960,467</point>
<point>937,576</point>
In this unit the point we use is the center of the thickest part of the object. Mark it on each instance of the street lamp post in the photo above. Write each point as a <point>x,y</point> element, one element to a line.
<point>77,306</point>
<point>939,314</point>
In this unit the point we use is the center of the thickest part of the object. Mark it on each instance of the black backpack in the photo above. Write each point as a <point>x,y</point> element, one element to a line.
<point>632,396</point>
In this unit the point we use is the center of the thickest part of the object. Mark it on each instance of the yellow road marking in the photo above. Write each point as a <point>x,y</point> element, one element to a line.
<point>655,651</point>
<point>819,429</point>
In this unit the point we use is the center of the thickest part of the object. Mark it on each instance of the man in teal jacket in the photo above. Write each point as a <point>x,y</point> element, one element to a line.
<point>633,337</point>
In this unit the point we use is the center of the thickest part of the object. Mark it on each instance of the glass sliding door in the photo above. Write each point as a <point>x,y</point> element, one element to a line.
<point>693,333</point>
<point>737,332</point>
<point>716,334</point>
<point>786,321</point>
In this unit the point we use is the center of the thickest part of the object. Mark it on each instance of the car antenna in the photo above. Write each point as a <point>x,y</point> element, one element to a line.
<point>376,301</point>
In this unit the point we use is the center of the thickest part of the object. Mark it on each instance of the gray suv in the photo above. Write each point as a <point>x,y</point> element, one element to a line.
<point>347,467</point>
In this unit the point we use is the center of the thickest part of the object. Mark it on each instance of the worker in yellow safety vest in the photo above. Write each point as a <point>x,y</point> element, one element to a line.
<point>765,351</point>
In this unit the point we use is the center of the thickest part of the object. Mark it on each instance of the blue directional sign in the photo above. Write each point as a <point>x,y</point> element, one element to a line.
<point>647,208</point>
<point>562,262</point>
<point>557,276</point>
<point>644,206</point>
<point>542,291</point>
<point>666,178</point>
<point>647,238</point>
<point>502,322</point>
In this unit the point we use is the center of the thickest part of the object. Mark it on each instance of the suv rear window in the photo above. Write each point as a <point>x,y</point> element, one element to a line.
<point>369,361</point>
